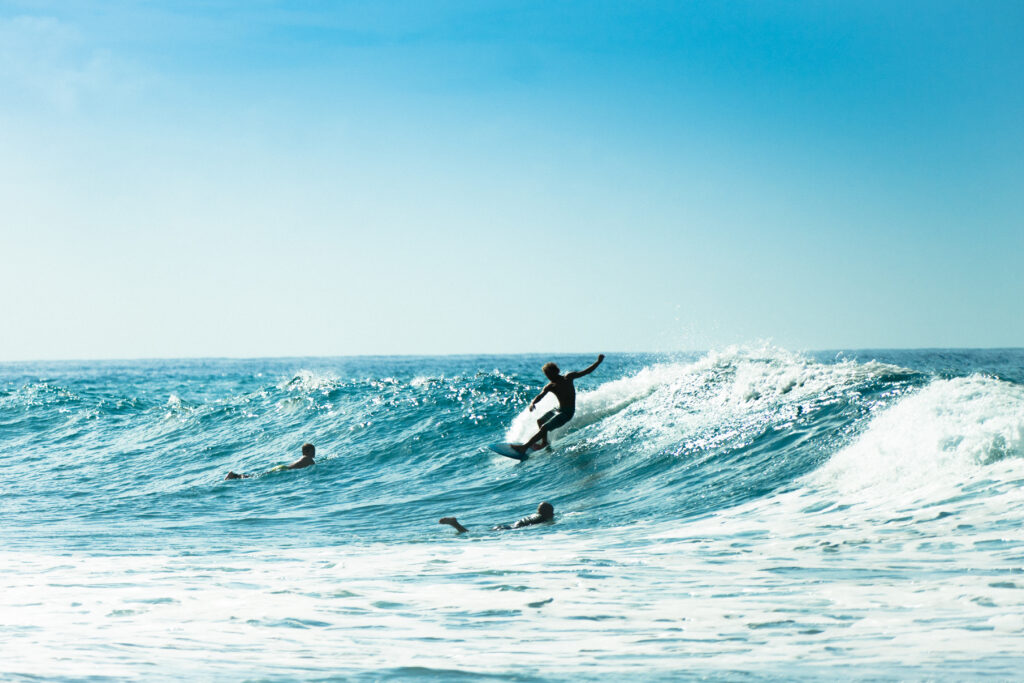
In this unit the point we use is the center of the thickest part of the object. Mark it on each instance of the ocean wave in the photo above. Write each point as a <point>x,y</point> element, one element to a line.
<point>38,394</point>
<point>946,434</point>
<point>739,391</point>
<point>653,437</point>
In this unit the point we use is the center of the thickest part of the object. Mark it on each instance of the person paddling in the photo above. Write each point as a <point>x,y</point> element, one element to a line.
<point>308,452</point>
<point>565,391</point>
<point>545,513</point>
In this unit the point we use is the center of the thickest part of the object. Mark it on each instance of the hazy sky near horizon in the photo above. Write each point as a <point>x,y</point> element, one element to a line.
<point>337,178</point>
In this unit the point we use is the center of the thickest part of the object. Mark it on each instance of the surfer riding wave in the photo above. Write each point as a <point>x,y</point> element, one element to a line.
<point>565,391</point>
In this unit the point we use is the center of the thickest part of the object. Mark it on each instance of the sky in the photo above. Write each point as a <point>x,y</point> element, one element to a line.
<point>257,178</point>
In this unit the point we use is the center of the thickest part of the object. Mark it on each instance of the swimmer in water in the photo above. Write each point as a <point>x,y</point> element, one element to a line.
<point>565,391</point>
<point>545,513</point>
<point>308,451</point>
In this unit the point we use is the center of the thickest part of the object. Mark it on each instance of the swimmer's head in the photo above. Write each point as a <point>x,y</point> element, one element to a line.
<point>308,450</point>
<point>551,371</point>
<point>546,510</point>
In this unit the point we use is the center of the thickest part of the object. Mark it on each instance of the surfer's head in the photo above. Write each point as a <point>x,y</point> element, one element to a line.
<point>308,450</point>
<point>546,510</point>
<point>551,371</point>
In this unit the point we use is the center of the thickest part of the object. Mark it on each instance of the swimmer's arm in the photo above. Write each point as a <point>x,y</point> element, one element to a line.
<point>528,521</point>
<point>454,523</point>
<point>586,371</point>
<point>525,521</point>
<point>541,395</point>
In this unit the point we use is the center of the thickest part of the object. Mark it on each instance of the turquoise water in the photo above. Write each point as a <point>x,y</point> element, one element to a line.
<point>747,514</point>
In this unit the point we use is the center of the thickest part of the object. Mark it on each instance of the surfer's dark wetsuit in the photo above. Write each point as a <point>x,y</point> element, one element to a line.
<point>556,417</point>
<point>545,513</point>
<point>565,391</point>
<point>536,518</point>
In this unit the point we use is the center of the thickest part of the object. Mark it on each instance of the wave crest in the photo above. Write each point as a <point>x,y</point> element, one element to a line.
<point>944,435</point>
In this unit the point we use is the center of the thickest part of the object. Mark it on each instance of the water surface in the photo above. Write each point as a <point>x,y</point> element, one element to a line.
<point>747,514</point>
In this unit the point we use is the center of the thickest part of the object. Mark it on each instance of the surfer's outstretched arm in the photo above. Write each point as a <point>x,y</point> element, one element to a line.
<point>454,523</point>
<point>539,396</point>
<point>588,370</point>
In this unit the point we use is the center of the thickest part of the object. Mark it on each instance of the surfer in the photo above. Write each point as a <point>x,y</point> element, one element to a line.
<point>545,513</point>
<point>308,451</point>
<point>565,391</point>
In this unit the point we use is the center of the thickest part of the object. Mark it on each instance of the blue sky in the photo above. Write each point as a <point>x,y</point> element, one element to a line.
<point>269,179</point>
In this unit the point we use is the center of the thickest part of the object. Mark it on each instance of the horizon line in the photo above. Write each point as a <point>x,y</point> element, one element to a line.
<point>484,354</point>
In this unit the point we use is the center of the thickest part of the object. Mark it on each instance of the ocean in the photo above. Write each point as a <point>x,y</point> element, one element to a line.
<point>744,514</point>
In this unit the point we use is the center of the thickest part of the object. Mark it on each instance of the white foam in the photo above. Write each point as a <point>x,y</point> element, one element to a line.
<point>723,392</point>
<point>307,382</point>
<point>943,436</point>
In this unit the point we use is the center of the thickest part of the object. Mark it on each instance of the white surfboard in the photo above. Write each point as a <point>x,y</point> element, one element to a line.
<point>506,449</point>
